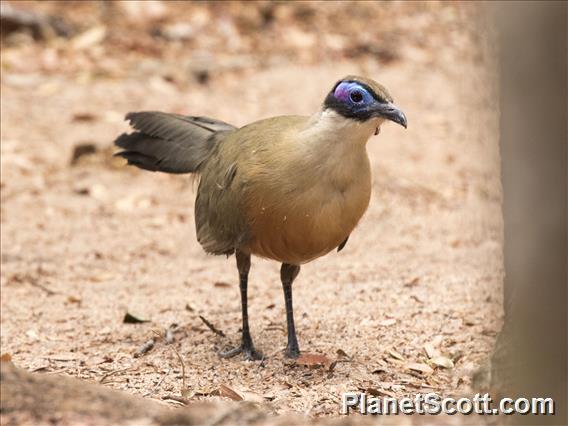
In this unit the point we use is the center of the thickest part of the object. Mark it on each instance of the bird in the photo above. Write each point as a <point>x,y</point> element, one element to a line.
<point>287,188</point>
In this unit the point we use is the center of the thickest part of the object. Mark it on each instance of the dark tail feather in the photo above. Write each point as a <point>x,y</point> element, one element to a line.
<point>169,143</point>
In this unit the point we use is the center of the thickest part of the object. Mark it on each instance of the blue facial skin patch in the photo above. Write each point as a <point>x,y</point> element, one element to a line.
<point>353,94</point>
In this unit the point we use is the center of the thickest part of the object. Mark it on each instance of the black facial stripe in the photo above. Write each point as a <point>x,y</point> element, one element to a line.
<point>331,102</point>
<point>341,108</point>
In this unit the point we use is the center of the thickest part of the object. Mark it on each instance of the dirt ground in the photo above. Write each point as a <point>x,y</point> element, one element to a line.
<point>83,244</point>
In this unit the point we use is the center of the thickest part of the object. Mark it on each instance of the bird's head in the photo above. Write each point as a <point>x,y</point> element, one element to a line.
<point>362,99</point>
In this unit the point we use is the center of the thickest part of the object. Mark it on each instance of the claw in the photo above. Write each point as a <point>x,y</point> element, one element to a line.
<point>249,353</point>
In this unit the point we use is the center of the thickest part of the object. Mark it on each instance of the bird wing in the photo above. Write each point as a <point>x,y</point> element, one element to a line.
<point>220,220</point>
<point>170,143</point>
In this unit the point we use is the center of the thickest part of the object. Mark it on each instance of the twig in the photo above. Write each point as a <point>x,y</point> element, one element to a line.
<point>162,380</point>
<point>176,398</point>
<point>42,287</point>
<point>182,368</point>
<point>211,327</point>
<point>112,373</point>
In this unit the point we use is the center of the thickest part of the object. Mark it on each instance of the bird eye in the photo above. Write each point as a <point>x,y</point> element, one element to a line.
<point>356,96</point>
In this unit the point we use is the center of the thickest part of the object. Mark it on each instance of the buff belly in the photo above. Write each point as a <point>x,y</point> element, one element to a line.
<point>309,229</point>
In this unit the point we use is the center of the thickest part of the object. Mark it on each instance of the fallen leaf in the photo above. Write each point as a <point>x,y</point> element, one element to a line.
<point>413,282</point>
<point>187,393</point>
<point>32,334</point>
<point>84,116</point>
<point>442,361</point>
<point>313,360</point>
<point>42,365</point>
<point>420,367</point>
<point>227,392</point>
<point>379,392</point>
<point>222,284</point>
<point>102,277</point>
<point>341,354</point>
<point>89,38</point>
<point>73,299</point>
<point>6,357</point>
<point>431,352</point>
<point>387,322</point>
<point>82,149</point>
<point>252,396</point>
<point>396,355</point>
<point>131,319</point>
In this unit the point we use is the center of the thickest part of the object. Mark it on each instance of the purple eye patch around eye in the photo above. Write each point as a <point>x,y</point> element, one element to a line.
<point>344,89</point>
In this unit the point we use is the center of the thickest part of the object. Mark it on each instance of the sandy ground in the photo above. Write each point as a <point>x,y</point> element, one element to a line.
<point>83,245</point>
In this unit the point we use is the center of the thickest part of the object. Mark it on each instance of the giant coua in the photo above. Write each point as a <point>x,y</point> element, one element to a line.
<point>289,188</point>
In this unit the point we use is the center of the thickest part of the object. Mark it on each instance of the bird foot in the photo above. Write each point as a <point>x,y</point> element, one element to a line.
<point>249,353</point>
<point>292,352</point>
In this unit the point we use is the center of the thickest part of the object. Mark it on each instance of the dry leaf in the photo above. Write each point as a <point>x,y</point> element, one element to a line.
<point>222,284</point>
<point>341,354</point>
<point>420,367</point>
<point>187,393</point>
<point>412,283</point>
<point>131,319</point>
<point>252,396</point>
<point>442,361</point>
<point>227,392</point>
<point>313,360</point>
<point>32,334</point>
<point>82,149</point>
<point>73,299</point>
<point>379,392</point>
<point>104,276</point>
<point>89,38</point>
<point>396,355</point>
<point>430,350</point>
<point>6,357</point>
<point>84,116</point>
<point>387,322</point>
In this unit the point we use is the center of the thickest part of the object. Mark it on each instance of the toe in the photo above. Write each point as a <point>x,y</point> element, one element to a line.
<point>230,353</point>
<point>253,355</point>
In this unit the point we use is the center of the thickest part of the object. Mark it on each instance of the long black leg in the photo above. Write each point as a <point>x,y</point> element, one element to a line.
<point>287,274</point>
<point>246,347</point>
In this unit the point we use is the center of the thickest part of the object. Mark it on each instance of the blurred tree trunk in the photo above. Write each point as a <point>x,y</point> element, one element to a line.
<point>530,358</point>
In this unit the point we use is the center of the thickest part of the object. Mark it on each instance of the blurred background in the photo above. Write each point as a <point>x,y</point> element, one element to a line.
<point>417,291</point>
<point>184,43</point>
